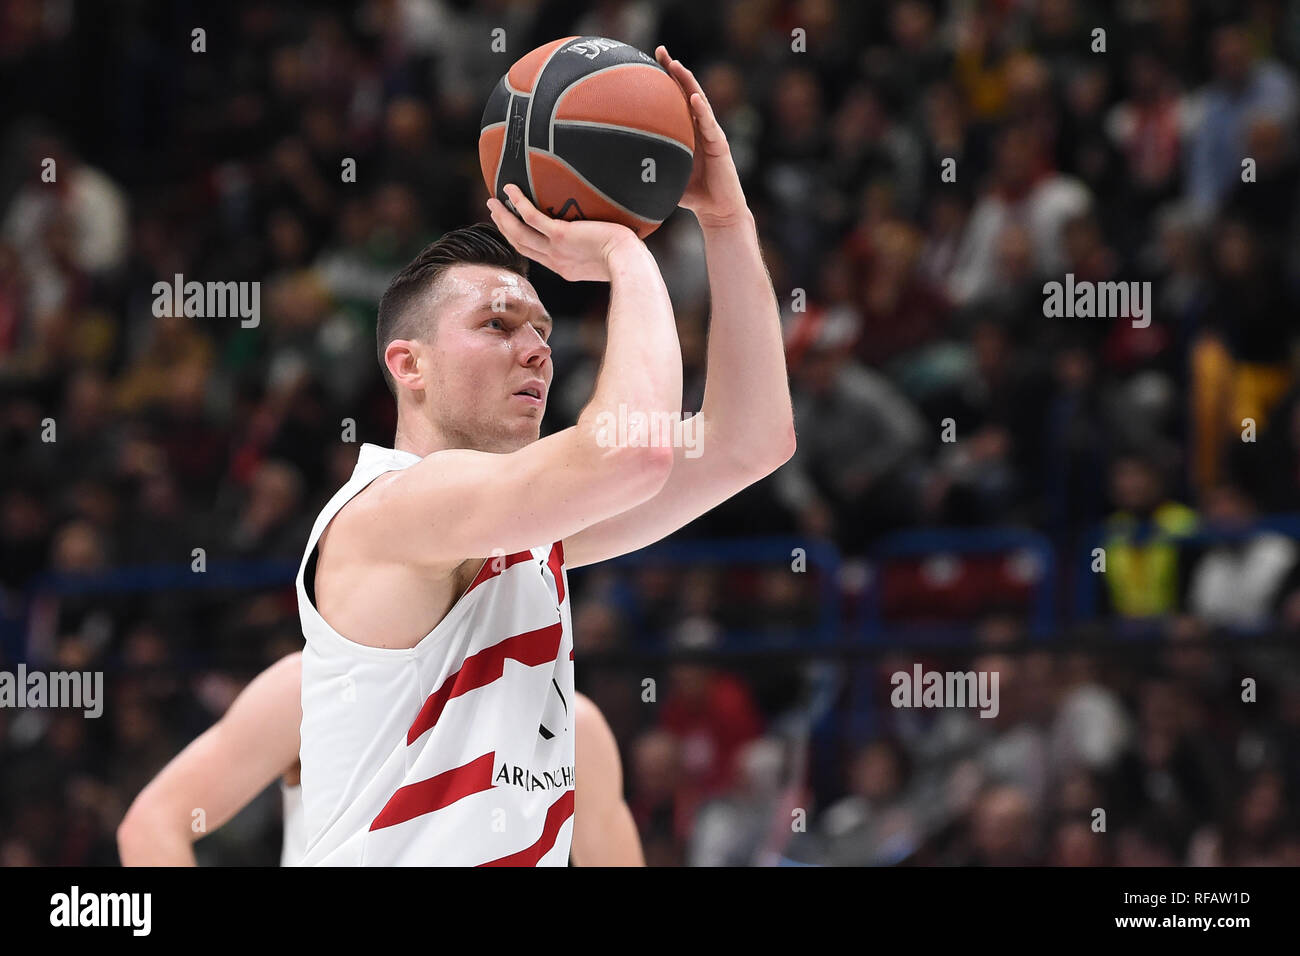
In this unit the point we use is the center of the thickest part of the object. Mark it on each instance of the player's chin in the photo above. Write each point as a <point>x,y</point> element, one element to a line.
<point>525,425</point>
<point>527,411</point>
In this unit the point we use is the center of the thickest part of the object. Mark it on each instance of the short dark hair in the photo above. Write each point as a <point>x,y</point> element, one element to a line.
<point>479,244</point>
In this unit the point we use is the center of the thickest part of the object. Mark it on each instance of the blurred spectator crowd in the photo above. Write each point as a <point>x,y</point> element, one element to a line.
<point>913,310</point>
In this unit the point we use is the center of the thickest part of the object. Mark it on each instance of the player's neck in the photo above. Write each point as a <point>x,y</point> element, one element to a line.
<point>418,437</point>
<point>422,437</point>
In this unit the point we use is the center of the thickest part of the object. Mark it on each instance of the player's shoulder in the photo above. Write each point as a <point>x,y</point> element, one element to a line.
<point>588,718</point>
<point>354,530</point>
<point>597,750</point>
<point>285,670</point>
<point>390,493</point>
<point>360,538</point>
<point>289,664</point>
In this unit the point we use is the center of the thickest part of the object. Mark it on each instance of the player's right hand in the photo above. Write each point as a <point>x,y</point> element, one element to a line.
<point>578,250</point>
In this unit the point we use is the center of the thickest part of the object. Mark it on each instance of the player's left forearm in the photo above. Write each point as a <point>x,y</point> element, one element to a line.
<point>747,393</point>
<point>149,843</point>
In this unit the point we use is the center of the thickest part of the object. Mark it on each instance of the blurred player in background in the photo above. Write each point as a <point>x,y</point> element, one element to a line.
<point>256,741</point>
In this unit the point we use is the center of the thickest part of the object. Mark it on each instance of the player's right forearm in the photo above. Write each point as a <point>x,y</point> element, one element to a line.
<point>642,368</point>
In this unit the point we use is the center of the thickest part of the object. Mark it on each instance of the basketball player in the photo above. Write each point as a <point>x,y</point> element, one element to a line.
<point>257,738</point>
<point>437,675</point>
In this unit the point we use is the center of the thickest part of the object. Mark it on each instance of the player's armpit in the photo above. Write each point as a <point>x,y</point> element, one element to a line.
<point>219,773</point>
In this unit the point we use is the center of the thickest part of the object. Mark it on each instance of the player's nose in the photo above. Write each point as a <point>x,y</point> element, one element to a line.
<point>535,350</point>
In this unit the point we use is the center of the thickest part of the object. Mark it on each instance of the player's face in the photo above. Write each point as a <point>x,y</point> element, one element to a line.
<point>490,350</point>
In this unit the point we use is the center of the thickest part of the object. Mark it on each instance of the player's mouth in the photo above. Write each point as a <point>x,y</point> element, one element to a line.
<point>534,393</point>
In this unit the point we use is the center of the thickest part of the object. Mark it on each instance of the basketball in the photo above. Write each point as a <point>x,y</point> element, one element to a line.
<point>589,128</point>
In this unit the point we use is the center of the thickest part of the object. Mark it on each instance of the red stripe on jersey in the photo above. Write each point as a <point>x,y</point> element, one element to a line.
<point>558,812</point>
<point>478,670</point>
<point>443,790</point>
<point>495,565</point>
<point>556,563</point>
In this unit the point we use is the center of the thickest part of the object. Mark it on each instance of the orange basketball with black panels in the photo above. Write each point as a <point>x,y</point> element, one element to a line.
<point>589,128</point>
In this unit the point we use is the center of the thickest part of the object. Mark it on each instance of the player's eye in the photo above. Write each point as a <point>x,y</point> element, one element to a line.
<point>498,323</point>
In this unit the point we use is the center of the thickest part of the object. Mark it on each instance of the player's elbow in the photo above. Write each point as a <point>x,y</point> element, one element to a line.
<point>785,446</point>
<point>132,835</point>
<point>139,834</point>
<point>642,472</point>
<point>763,458</point>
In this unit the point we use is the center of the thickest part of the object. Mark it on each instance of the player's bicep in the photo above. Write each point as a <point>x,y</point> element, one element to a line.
<point>462,503</point>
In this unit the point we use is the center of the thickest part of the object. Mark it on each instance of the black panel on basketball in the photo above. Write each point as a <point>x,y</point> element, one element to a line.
<point>498,100</point>
<point>513,163</point>
<point>612,161</point>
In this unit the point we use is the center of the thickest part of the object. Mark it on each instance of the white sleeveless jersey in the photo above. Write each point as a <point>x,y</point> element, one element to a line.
<point>455,752</point>
<point>294,841</point>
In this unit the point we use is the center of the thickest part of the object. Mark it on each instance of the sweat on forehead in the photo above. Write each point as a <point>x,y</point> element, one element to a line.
<point>468,285</point>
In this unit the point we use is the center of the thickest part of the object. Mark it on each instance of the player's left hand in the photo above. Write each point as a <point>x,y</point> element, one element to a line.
<point>714,192</point>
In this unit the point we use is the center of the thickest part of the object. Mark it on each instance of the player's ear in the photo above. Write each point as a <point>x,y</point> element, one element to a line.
<point>402,356</point>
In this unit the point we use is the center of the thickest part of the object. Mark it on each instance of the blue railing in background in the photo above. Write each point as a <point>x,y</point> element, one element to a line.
<point>233,575</point>
<point>821,556</point>
<point>1043,618</point>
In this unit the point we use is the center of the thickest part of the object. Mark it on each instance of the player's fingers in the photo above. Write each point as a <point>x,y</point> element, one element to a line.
<point>517,231</point>
<point>685,78</point>
<point>708,124</point>
<point>526,250</point>
<point>524,238</point>
<point>530,214</point>
<point>701,109</point>
<point>505,220</point>
<point>681,76</point>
